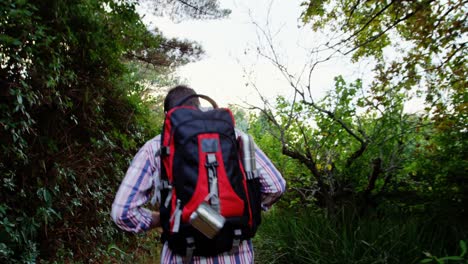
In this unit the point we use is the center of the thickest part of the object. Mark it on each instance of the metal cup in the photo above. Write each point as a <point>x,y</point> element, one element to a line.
<point>206,220</point>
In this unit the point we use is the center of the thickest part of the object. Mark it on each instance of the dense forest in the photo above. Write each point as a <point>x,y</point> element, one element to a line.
<point>82,84</point>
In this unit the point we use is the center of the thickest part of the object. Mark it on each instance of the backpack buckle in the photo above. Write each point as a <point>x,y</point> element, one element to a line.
<point>211,160</point>
<point>236,241</point>
<point>213,196</point>
<point>165,151</point>
<point>189,250</point>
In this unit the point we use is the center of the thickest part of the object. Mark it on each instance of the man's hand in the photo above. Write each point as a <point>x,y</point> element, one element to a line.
<point>268,199</point>
<point>155,220</point>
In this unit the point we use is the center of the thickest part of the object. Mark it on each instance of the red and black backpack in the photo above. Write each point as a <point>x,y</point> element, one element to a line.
<point>202,165</point>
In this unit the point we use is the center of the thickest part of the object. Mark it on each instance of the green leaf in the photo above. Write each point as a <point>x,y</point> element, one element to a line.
<point>463,248</point>
<point>45,195</point>
<point>451,258</point>
<point>116,248</point>
<point>426,261</point>
<point>427,254</point>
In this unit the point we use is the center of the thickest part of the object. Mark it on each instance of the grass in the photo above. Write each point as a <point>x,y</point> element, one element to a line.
<point>309,236</point>
<point>141,249</point>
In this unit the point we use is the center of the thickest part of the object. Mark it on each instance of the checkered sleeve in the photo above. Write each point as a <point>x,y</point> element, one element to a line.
<point>272,182</point>
<point>134,191</point>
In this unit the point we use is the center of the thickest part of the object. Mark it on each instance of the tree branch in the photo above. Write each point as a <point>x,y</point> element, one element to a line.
<point>310,164</point>
<point>200,11</point>
<point>376,170</point>
<point>393,25</point>
<point>365,25</point>
<point>338,120</point>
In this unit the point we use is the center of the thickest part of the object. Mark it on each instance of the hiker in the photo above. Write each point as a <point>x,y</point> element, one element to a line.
<point>145,175</point>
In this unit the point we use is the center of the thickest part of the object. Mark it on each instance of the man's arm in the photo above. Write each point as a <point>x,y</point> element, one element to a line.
<point>127,210</point>
<point>272,183</point>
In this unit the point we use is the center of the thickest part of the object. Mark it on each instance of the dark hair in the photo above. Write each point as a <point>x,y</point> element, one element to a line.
<point>177,94</point>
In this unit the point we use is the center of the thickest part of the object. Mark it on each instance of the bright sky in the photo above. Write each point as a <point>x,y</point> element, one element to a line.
<point>231,45</point>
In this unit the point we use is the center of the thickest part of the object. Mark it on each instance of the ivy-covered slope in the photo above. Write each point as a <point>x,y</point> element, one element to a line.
<point>71,117</point>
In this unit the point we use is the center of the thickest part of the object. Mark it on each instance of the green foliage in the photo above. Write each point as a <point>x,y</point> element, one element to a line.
<point>240,116</point>
<point>420,52</point>
<point>72,114</point>
<point>307,236</point>
<point>458,259</point>
<point>143,248</point>
<point>395,181</point>
<point>360,148</point>
<point>188,9</point>
<point>292,170</point>
<point>348,148</point>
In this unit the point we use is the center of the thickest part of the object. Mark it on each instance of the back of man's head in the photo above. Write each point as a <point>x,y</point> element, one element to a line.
<point>177,94</point>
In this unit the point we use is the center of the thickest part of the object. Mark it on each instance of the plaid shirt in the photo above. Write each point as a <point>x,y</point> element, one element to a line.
<point>130,215</point>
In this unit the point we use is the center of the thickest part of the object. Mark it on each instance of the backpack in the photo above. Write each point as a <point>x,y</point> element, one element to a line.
<point>210,191</point>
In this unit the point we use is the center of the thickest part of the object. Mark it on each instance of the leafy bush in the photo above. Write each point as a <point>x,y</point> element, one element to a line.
<point>71,117</point>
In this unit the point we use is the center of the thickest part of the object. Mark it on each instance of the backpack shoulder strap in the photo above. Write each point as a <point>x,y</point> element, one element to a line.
<point>248,154</point>
<point>156,182</point>
<point>207,98</point>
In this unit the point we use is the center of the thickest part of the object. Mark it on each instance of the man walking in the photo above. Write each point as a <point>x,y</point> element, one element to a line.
<point>130,215</point>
